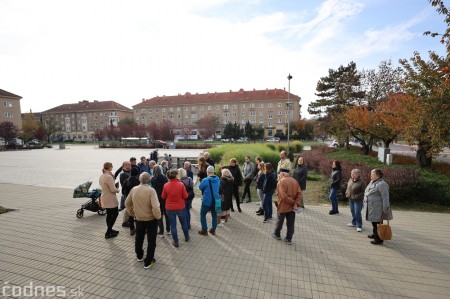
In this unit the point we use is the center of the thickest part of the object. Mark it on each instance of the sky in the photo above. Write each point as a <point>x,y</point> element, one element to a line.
<point>55,52</point>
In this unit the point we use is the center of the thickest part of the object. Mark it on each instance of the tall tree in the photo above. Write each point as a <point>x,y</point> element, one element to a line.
<point>207,125</point>
<point>365,121</point>
<point>248,130</point>
<point>8,131</point>
<point>29,126</point>
<point>336,93</point>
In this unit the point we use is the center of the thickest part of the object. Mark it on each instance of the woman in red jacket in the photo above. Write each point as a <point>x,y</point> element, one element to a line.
<point>174,193</point>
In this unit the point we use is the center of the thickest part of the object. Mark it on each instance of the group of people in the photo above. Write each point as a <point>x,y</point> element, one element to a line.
<point>154,196</point>
<point>375,197</point>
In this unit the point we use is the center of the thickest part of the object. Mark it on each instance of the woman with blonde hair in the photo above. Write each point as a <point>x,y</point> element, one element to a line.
<point>109,199</point>
<point>226,193</point>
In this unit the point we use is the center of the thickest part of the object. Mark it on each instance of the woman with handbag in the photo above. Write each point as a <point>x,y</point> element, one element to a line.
<point>376,199</point>
<point>210,193</point>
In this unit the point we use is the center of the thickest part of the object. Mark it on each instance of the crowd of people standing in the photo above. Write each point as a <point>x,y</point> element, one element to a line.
<point>154,196</point>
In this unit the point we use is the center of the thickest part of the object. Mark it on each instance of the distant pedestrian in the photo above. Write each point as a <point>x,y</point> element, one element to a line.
<point>143,203</point>
<point>335,186</point>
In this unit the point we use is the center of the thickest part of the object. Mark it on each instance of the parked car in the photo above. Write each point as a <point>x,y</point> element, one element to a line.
<point>335,144</point>
<point>242,139</point>
<point>224,140</point>
<point>209,140</point>
<point>33,144</point>
<point>273,139</point>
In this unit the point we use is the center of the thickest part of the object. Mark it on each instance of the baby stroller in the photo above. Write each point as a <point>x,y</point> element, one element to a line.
<point>91,205</point>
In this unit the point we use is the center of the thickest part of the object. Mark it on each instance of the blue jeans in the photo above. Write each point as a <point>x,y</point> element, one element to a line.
<point>188,212</point>
<point>355,208</point>
<point>173,223</point>
<point>333,199</point>
<point>203,210</point>
<point>267,206</point>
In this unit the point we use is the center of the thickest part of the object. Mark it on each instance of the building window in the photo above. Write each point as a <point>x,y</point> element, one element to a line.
<point>280,112</point>
<point>235,114</point>
<point>252,121</point>
<point>280,105</point>
<point>179,116</point>
<point>171,109</point>
<point>261,113</point>
<point>261,121</point>
<point>193,116</point>
<point>252,113</point>
<point>202,108</point>
<point>269,105</point>
<point>243,114</point>
<point>261,105</point>
<point>217,107</point>
<point>279,120</point>
<point>7,104</point>
<point>193,108</point>
<point>186,116</point>
<point>243,106</point>
<point>186,109</point>
<point>178,109</point>
<point>225,114</point>
<point>252,106</point>
<point>225,107</point>
<point>234,107</point>
<point>209,108</point>
<point>270,116</point>
<point>163,110</point>
<point>143,111</point>
<point>243,121</point>
<point>8,114</point>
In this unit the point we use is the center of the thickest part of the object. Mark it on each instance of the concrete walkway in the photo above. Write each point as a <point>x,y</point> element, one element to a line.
<point>44,244</point>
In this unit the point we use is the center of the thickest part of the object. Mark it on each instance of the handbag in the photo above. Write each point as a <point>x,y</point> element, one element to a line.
<point>384,231</point>
<point>217,202</point>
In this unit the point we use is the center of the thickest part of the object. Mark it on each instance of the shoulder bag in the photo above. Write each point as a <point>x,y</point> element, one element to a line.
<point>216,201</point>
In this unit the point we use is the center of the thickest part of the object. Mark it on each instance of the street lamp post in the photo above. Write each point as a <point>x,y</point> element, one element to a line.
<point>288,110</point>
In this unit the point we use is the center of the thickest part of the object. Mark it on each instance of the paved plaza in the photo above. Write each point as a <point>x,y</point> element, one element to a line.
<point>43,244</point>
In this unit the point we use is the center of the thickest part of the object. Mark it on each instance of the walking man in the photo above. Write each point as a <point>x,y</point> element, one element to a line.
<point>289,197</point>
<point>143,203</point>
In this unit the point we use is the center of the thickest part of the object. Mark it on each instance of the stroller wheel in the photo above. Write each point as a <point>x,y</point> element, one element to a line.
<point>80,213</point>
<point>101,212</point>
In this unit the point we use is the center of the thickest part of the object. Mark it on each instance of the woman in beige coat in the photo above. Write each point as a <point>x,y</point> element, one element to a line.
<point>109,199</point>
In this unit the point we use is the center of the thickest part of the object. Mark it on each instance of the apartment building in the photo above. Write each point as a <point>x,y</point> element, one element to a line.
<point>80,120</point>
<point>10,108</point>
<point>270,108</point>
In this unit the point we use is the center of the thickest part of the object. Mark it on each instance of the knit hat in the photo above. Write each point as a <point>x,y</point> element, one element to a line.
<point>210,169</point>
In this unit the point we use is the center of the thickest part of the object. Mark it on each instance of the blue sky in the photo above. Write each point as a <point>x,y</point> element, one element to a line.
<point>54,52</point>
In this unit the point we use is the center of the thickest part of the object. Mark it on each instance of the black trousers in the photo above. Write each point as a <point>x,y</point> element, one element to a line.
<point>247,189</point>
<point>161,223</point>
<point>375,232</point>
<point>151,227</point>
<point>111,216</point>
<point>290,221</point>
<point>236,196</point>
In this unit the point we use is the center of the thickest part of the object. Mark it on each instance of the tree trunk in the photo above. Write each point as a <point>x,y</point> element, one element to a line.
<point>422,159</point>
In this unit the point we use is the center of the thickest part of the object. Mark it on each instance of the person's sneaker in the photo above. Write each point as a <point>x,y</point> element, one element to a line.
<point>203,232</point>
<point>187,239</point>
<point>359,229</point>
<point>260,213</point>
<point>350,224</point>
<point>112,234</point>
<point>168,233</point>
<point>289,242</point>
<point>212,232</point>
<point>239,210</point>
<point>249,201</point>
<point>175,244</point>
<point>266,220</point>
<point>148,265</point>
<point>275,236</point>
<point>140,259</point>
<point>161,235</point>
<point>371,236</point>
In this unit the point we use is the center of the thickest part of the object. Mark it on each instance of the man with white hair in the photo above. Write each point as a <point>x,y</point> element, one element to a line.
<point>208,159</point>
<point>210,190</point>
<point>142,201</point>
<point>289,197</point>
<point>187,167</point>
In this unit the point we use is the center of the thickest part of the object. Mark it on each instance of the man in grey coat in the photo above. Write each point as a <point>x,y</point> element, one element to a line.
<point>376,199</point>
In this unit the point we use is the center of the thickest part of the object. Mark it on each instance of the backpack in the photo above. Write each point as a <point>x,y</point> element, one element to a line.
<point>189,189</point>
